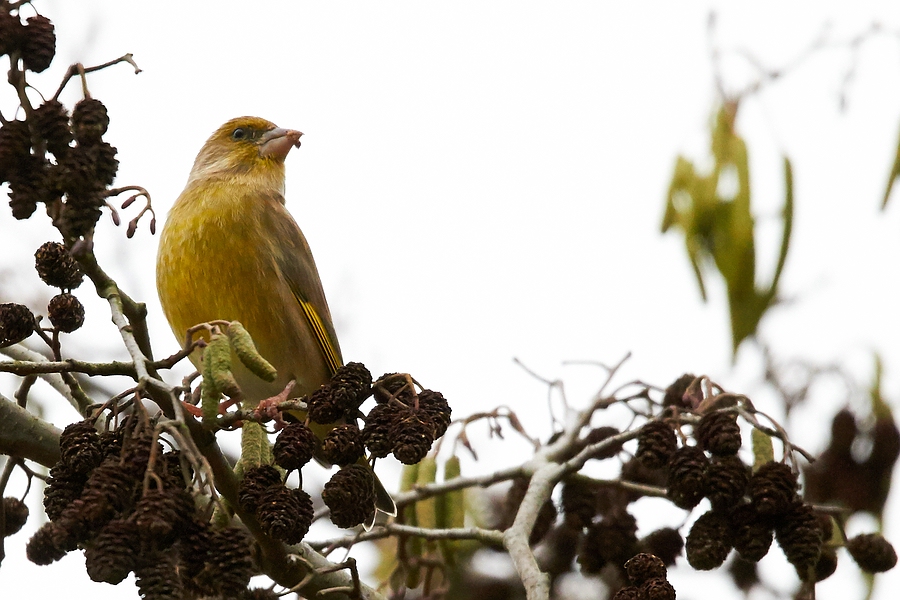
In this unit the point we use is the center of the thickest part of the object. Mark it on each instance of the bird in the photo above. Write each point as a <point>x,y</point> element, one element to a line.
<point>230,250</point>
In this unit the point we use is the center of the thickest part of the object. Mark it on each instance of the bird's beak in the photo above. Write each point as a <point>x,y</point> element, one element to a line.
<point>276,143</point>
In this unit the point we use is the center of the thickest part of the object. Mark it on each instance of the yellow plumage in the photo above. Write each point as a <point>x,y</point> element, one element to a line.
<point>230,250</point>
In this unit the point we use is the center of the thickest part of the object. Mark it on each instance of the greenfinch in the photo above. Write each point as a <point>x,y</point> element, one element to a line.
<point>231,251</point>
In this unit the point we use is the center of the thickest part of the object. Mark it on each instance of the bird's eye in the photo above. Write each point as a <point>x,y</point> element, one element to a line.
<point>239,134</point>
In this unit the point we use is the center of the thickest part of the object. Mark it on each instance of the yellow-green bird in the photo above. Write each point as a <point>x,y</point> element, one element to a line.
<point>230,250</point>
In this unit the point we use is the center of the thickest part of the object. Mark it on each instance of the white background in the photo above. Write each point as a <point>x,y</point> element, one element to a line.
<point>482,181</point>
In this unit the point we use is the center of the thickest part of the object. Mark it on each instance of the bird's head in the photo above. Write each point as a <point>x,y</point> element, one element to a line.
<point>245,145</point>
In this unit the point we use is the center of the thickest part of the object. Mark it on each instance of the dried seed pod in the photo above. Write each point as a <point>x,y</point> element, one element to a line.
<point>708,542</point>
<point>435,407</point>
<point>295,446</point>
<point>666,543</point>
<point>726,481</point>
<point>285,514</point>
<point>256,481</point>
<point>642,567</point>
<point>658,589</point>
<point>230,561</point>
<point>719,434</point>
<point>79,447</point>
<point>773,489</point>
<point>872,552</point>
<point>800,537</point>
<point>610,541</point>
<point>89,121</point>
<point>656,443</point>
<point>686,485</point>
<point>16,513</point>
<point>38,43</point>
<point>350,494</point>
<point>350,386</point>
<point>56,267</point>
<point>675,393</point>
<point>412,435</point>
<point>394,386</point>
<point>157,576</point>
<point>752,532</point>
<point>16,323</point>
<point>66,312</point>
<point>48,544</point>
<point>380,425</point>
<point>51,121</point>
<point>343,445</point>
<point>114,552</point>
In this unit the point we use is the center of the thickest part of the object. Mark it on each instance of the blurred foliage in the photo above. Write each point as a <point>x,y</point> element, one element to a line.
<point>714,212</point>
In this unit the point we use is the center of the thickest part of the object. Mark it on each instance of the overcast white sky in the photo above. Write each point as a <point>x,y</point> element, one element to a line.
<point>482,181</point>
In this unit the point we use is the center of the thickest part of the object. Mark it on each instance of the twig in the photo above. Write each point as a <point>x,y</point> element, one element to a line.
<point>81,70</point>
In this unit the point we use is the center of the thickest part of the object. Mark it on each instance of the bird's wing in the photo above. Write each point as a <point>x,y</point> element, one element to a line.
<point>295,260</point>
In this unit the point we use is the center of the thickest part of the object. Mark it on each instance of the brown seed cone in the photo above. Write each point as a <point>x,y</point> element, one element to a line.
<point>66,312</point>
<point>800,537</point>
<point>744,574</point>
<point>89,121</point>
<point>350,494</point>
<point>11,33</point>
<point>412,437</point>
<point>773,489</point>
<point>322,408</point>
<point>51,121</point>
<point>56,267</point>
<point>64,486</point>
<point>79,447</point>
<point>81,213</point>
<point>255,482</point>
<point>285,514</point>
<point>726,482</point>
<point>579,500</point>
<point>16,513</point>
<point>561,545</point>
<point>435,407</point>
<point>159,516</point>
<point>610,541</point>
<point>686,485</point>
<point>675,392</point>
<point>196,547</point>
<point>109,491</point>
<point>157,577</point>
<point>827,564</point>
<point>658,589</point>
<point>597,435</point>
<point>872,552</point>
<point>719,434</point>
<point>752,532</point>
<point>666,543</point>
<point>16,323</point>
<point>350,386</point>
<point>629,592</point>
<point>114,552</point>
<point>708,542</point>
<point>656,443</point>
<point>231,561</point>
<point>295,446</point>
<point>642,567</point>
<point>15,149</point>
<point>343,445</point>
<point>48,544</point>
<point>38,44</point>
<point>379,426</point>
<point>393,386</point>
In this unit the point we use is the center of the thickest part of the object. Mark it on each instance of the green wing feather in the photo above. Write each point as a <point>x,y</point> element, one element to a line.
<point>295,260</point>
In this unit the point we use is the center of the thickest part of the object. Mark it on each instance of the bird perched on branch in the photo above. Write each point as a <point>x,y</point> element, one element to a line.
<point>230,250</point>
